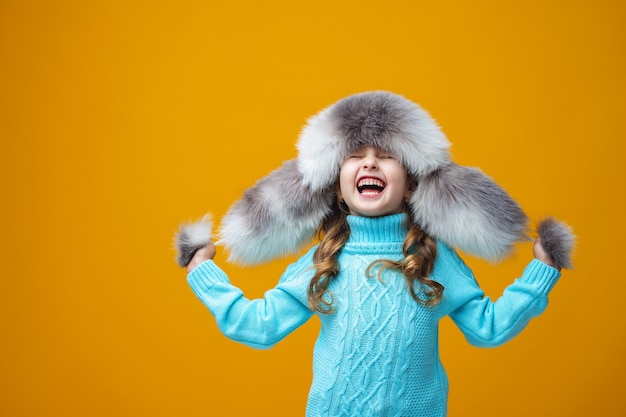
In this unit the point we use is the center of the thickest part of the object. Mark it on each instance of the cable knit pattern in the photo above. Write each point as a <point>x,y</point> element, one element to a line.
<point>377,354</point>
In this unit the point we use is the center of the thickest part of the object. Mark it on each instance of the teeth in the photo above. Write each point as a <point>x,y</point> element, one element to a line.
<point>371,182</point>
<point>370,185</point>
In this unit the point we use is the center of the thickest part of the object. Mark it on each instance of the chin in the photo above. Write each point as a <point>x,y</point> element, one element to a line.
<point>372,212</point>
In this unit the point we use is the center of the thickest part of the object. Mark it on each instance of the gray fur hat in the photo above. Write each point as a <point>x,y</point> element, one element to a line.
<point>457,205</point>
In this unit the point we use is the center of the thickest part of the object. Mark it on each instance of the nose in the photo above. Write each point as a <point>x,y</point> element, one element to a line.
<point>370,162</point>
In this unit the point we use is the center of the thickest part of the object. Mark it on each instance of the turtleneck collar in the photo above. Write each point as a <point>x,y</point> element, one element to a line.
<point>377,230</point>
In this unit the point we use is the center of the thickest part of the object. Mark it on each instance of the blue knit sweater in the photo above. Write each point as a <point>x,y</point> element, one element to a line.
<point>377,355</point>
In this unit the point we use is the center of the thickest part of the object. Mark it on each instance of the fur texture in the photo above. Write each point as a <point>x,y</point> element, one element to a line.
<point>190,238</point>
<point>557,240</point>
<point>275,217</point>
<point>380,119</point>
<point>467,209</point>
<point>460,206</point>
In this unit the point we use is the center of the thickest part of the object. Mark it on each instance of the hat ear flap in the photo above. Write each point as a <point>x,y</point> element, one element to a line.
<point>465,208</point>
<point>275,217</point>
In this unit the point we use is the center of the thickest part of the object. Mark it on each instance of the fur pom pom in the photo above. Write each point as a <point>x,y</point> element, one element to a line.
<point>190,238</point>
<point>466,209</point>
<point>557,240</point>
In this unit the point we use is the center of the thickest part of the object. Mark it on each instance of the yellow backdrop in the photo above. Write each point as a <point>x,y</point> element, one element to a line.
<point>119,119</point>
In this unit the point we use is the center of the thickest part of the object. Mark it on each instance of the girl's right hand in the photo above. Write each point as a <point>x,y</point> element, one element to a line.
<point>541,254</point>
<point>203,254</point>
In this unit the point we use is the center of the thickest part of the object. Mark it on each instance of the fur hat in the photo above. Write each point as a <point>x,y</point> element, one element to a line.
<point>457,205</point>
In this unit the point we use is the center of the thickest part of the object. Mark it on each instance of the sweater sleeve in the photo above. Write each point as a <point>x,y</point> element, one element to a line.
<point>488,323</point>
<point>259,323</point>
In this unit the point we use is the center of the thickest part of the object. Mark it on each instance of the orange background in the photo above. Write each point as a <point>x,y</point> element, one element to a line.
<point>120,119</point>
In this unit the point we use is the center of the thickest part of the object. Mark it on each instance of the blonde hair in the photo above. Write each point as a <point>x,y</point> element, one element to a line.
<point>420,251</point>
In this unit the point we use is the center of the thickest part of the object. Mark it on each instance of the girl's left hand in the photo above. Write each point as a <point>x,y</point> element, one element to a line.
<point>541,254</point>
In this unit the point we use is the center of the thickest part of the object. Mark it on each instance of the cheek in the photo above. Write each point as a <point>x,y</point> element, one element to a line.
<point>401,179</point>
<point>346,178</point>
<point>342,186</point>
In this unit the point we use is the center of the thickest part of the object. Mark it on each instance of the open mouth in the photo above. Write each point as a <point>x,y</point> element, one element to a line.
<point>370,186</point>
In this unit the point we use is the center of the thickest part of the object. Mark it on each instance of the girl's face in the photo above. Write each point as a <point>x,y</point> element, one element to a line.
<point>373,183</point>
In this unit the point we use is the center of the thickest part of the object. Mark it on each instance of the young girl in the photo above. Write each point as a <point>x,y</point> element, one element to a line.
<point>373,175</point>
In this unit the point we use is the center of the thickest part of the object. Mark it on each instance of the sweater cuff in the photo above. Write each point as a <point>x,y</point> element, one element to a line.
<point>205,276</point>
<point>541,276</point>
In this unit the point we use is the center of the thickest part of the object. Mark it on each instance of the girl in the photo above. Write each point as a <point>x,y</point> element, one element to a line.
<point>373,175</point>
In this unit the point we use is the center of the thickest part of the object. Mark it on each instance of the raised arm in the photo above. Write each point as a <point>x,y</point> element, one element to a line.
<point>488,323</point>
<point>258,323</point>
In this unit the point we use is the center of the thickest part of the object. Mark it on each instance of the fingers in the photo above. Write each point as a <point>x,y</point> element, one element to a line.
<point>541,254</point>
<point>202,254</point>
